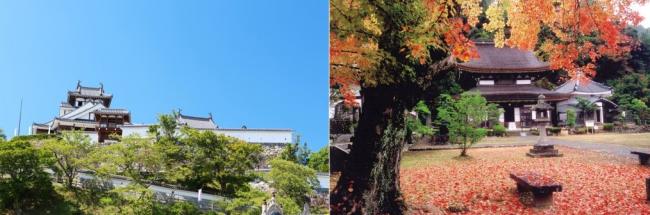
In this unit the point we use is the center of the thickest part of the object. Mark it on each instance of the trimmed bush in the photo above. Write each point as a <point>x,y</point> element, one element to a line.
<point>608,127</point>
<point>554,131</point>
<point>499,130</point>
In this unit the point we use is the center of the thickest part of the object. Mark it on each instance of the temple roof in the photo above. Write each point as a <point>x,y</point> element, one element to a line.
<point>573,101</point>
<point>503,60</point>
<point>583,87</point>
<point>83,111</point>
<point>196,122</point>
<point>520,93</point>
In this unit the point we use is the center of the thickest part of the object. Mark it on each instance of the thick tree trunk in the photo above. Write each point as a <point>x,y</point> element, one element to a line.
<point>369,184</point>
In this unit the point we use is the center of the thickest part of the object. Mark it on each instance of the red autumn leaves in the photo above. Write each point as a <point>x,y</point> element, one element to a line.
<point>592,183</point>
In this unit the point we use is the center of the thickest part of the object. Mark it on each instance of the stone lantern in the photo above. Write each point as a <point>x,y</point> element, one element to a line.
<point>543,118</point>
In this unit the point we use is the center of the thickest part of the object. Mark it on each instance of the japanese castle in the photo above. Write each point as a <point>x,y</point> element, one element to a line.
<point>88,109</point>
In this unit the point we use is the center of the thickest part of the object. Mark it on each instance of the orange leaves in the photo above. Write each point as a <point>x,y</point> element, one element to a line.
<point>581,30</point>
<point>347,60</point>
<point>418,51</point>
<point>592,183</point>
<point>461,47</point>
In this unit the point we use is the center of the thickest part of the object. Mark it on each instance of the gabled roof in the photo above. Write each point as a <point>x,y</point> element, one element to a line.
<point>573,101</point>
<point>574,86</point>
<point>503,60</point>
<point>84,110</point>
<point>89,92</point>
<point>196,122</point>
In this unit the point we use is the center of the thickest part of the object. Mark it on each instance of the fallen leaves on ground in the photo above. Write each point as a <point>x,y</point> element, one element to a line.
<point>592,183</point>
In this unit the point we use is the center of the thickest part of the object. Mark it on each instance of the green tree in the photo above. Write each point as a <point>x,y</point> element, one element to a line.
<point>134,157</point>
<point>23,183</point>
<point>463,117</point>
<point>247,202</point>
<point>130,199</point>
<point>638,110</point>
<point>166,126</point>
<point>178,207</point>
<point>3,137</point>
<point>320,160</point>
<point>292,180</point>
<point>290,153</point>
<point>303,153</point>
<point>571,118</point>
<point>415,127</point>
<point>586,107</point>
<point>289,205</point>
<point>240,163</point>
<point>69,154</point>
<point>203,159</point>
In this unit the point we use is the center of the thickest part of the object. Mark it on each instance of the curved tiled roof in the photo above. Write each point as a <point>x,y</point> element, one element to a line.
<point>586,87</point>
<point>528,92</point>
<point>503,60</point>
<point>196,122</point>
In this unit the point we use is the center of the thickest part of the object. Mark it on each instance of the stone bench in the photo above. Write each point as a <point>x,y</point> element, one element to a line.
<point>643,157</point>
<point>542,187</point>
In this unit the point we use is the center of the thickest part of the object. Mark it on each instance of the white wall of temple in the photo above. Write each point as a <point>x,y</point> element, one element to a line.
<point>134,130</point>
<point>94,138</point>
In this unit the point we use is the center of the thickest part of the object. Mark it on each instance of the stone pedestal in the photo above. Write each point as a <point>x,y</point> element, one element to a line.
<point>543,150</point>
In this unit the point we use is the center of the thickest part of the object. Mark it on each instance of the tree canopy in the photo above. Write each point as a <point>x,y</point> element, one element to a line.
<point>463,117</point>
<point>320,160</point>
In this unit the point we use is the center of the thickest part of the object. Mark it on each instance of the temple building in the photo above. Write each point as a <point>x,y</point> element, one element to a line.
<point>591,91</point>
<point>506,76</point>
<point>87,109</point>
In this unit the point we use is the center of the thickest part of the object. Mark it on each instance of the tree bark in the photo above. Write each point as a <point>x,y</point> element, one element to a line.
<point>369,184</point>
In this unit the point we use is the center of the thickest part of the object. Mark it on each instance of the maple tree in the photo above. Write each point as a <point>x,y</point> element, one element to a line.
<point>394,50</point>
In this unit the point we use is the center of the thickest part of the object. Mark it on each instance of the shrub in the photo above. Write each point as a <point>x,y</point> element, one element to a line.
<point>534,131</point>
<point>499,130</point>
<point>554,130</point>
<point>571,118</point>
<point>608,127</point>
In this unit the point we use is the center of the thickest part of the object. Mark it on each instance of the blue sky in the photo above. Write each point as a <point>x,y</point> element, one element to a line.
<point>263,64</point>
